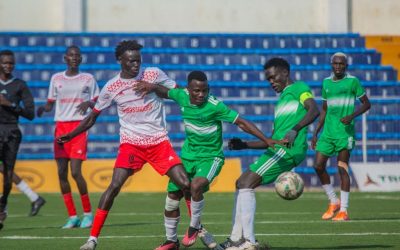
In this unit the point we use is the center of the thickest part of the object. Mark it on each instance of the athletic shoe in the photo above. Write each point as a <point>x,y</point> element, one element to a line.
<point>190,237</point>
<point>89,245</point>
<point>207,238</point>
<point>3,216</point>
<point>36,205</point>
<point>341,216</point>
<point>72,222</point>
<point>87,221</point>
<point>246,245</point>
<point>332,209</point>
<point>231,243</point>
<point>169,245</point>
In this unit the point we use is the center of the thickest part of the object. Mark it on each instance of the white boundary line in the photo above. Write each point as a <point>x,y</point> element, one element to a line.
<point>20,237</point>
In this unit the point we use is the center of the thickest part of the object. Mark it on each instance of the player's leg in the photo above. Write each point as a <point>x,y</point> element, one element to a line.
<point>9,150</point>
<point>171,217</point>
<point>76,172</point>
<point>120,175</point>
<point>343,167</point>
<point>324,149</point>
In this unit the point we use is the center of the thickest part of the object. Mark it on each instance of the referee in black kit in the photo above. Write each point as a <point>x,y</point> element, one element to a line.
<point>13,91</point>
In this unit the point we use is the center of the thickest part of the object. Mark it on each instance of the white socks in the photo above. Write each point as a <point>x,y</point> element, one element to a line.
<point>197,208</point>
<point>330,192</point>
<point>24,188</point>
<point>344,200</point>
<point>171,225</point>
<point>237,231</point>
<point>92,238</point>
<point>247,205</point>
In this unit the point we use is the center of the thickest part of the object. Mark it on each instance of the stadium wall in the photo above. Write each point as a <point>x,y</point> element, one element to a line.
<point>251,16</point>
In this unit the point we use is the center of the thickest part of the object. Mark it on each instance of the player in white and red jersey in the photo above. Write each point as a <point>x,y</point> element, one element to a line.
<point>73,93</point>
<point>143,134</point>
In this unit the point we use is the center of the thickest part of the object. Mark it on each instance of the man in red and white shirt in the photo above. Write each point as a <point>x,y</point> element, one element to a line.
<point>73,93</point>
<point>143,133</point>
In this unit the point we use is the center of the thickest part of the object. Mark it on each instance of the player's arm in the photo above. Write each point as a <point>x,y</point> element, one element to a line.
<point>320,125</point>
<point>45,108</point>
<point>84,106</point>
<point>250,128</point>
<point>144,88</point>
<point>28,109</point>
<point>83,126</point>
<point>312,113</point>
<point>365,106</point>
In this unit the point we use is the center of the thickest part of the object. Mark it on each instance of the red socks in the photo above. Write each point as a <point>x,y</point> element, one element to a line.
<point>69,203</point>
<point>98,222</point>
<point>87,208</point>
<point>188,206</point>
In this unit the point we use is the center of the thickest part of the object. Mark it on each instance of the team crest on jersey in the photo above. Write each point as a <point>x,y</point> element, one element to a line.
<point>85,90</point>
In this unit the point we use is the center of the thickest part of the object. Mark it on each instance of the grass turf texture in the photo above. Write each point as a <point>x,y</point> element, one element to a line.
<point>136,222</point>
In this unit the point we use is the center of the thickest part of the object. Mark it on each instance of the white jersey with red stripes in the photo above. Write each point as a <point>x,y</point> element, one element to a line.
<point>70,91</point>
<point>142,119</point>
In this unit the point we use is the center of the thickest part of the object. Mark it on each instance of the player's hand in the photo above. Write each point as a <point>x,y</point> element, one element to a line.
<point>143,88</point>
<point>83,107</point>
<point>314,142</point>
<point>40,111</point>
<point>4,101</point>
<point>236,144</point>
<point>290,137</point>
<point>347,119</point>
<point>63,139</point>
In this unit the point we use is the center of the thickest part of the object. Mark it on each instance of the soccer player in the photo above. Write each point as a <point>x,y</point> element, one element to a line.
<point>339,92</point>
<point>13,91</point>
<point>143,134</point>
<point>36,201</point>
<point>295,110</point>
<point>202,153</point>
<point>73,92</point>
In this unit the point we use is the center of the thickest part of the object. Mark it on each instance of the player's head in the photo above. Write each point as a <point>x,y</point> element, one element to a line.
<point>7,62</point>
<point>73,57</point>
<point>277,72</point>
<point>339,64</point>
<point>197,87</point>
<point>128,55</point>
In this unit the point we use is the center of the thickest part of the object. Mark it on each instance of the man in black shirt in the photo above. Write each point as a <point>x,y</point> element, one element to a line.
<point>13,91</point>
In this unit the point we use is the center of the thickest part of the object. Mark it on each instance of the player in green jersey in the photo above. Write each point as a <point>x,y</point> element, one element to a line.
<point>202,153</point>
<point>339,92</point>
<point>295,110</point>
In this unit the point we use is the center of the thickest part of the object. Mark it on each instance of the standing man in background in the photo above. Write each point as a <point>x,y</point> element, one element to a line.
<point>339,92</point>
<point>73,93</point>
<point>13,91</point>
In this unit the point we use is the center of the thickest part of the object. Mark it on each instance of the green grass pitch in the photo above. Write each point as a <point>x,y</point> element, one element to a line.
<point>136,222</point>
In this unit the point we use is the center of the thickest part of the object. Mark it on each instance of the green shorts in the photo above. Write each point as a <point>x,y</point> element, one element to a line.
<point>331,147</point>
<point>207,168</point>
<point>271,164</point>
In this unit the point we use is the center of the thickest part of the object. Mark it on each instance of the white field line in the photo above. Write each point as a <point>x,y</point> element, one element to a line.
<point>19,237</point>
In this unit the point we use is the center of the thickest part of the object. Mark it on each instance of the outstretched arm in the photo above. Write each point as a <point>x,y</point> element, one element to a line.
<point>365,106</point>
<point>311,115</point>
<point>83,126</point>
<point>144,88</point>
<point>45,108</point>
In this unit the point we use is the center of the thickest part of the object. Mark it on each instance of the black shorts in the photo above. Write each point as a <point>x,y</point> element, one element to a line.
<point>10,138</point>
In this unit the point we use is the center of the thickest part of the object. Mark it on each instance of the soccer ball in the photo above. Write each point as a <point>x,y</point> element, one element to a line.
<point>289,185</point>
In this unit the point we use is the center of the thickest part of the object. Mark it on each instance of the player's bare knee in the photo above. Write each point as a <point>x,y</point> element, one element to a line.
<point>171,204</point>
<point>343,167</point>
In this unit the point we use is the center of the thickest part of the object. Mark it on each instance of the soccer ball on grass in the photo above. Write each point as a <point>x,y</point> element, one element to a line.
<point>289,185</point>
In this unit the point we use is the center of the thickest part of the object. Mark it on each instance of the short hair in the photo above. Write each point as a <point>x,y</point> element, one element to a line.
<point>339,54</point>
<point>6,52</point>
<point>278,63</point>
<point>197,75</point>
<point>72,47</point>
<point>126,45</point>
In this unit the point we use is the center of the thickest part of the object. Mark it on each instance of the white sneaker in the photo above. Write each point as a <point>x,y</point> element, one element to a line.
<point>207,238</point>
<point>247,245</point>
<point>89,245</point>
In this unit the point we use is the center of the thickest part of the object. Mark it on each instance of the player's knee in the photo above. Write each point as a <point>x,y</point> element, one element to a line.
<point>171,204</point>
<point>76,175</point>
<point>319,168</point>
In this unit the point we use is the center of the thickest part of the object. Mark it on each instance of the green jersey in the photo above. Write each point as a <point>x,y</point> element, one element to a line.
<point>289,111</point>
<point>203,125</point>
<point>340,97</point>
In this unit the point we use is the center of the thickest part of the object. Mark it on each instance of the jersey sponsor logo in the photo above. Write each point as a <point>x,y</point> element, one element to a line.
<point>102,177</point>
<point>71,100</point>
<point>144,108</point>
